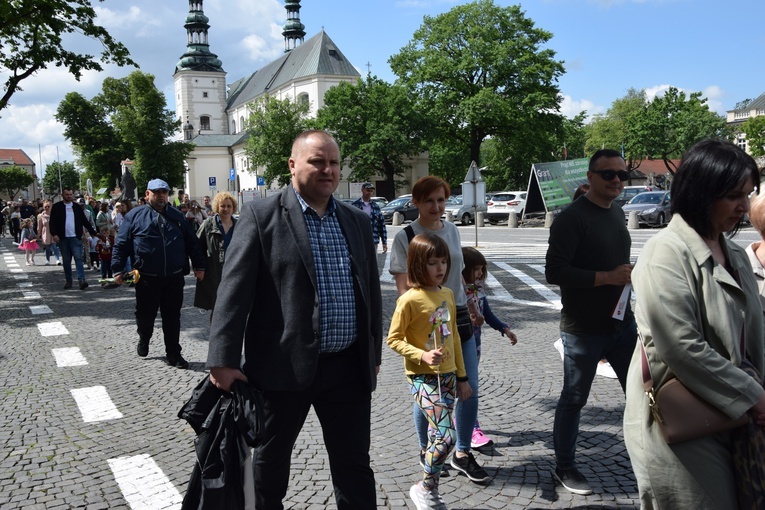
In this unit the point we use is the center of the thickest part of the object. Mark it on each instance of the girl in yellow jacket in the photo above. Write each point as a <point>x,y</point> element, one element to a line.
<point>423,330</point>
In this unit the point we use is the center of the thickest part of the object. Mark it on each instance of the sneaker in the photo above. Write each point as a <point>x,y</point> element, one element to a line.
<point>573,481</point>
<point>430,500</point>
<point>83,285</point>
<point>444,470</point>
<point>68,284</point>
<point>480,439</point>
<point>470,468</point>
<point>58,262</point>
<point>47,262</point>
<point>177,362</point>
<point>142,348</point>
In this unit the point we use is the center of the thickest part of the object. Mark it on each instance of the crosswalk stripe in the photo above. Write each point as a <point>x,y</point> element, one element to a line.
<point>69,357</point>
<point>540,289</point>
<point>95,404</point>
<point>143,484</point>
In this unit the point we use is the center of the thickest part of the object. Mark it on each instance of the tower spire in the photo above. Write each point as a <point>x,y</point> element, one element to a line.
<point>198,56</point>
<point>294,30</point>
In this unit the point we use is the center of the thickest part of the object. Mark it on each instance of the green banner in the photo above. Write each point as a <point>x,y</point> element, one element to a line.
<point>558,181</point>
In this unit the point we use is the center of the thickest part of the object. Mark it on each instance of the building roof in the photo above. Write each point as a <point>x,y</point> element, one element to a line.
<point>756,104</point>
<point>220,140</point>
<point>317,56</point>
<point>655,166</point>
<point>16,156</point>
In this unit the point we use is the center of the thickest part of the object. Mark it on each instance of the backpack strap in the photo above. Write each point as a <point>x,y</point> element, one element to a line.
<point>409,233</point>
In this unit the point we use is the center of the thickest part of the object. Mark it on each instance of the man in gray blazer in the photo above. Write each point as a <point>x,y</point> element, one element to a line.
<point>300,286</point>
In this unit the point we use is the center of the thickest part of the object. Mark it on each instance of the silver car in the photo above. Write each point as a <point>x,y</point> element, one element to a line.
<point>653,208</point>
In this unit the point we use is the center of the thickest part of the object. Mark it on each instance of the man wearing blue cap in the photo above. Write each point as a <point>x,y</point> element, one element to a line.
<point>159,241</point>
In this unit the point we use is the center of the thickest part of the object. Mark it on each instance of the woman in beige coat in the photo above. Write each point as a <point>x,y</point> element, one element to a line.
<point>696,296</point>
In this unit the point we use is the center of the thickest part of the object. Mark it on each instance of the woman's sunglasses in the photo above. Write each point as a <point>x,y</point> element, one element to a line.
<point>608,175</point>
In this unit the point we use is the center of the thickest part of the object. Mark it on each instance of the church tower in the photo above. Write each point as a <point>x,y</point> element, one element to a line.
<point>200,81</point>
<point>294,30</point>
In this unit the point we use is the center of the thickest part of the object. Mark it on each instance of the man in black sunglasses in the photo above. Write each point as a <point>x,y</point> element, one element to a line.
<point>589,258</point>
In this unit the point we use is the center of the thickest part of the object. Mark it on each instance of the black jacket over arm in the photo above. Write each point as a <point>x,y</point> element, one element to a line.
<point>268,296</point>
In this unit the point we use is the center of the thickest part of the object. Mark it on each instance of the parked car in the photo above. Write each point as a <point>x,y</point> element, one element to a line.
<point>629,192</point>
<point>403,205</point>
<point>381,201</point>
<point>503,203</point>
<point>653,208</point>
<point>461,212</point>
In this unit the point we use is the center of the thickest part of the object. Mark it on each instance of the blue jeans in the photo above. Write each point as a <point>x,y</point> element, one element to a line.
<point>51,249</point>
<point>466,412</point>
<point>581,354</point>
<point>71,247</point>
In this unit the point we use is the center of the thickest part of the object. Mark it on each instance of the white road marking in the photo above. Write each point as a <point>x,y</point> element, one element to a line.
<point>16,270</point>
<point>541,289</point>
<point>23,276</point>
<point>143,484</point>
<point>31,295</point>
<point>69,357</point>
<point>537,268</point>
<point>40,309</point>
<point>94,404</point>
<point>52,328</point>
<point>386,276</point>
<point>24,285</point>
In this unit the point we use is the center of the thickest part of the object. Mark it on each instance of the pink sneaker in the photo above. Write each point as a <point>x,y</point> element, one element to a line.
<point>479,439</point>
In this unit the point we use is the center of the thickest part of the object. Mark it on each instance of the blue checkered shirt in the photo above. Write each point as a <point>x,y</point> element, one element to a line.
<point>331,258</point>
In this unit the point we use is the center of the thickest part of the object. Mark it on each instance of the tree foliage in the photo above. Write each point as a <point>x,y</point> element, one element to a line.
<point>128,119</point>
<point>667,126</point>
<point>14,179</point>
<point>479,70</point>
<point>95,141</point>
<point>272,125</point>
<point>69,177</point>
<point>376,125</point>
<point>612,130</point>
<point>754,128</point>
<point>32,37</point>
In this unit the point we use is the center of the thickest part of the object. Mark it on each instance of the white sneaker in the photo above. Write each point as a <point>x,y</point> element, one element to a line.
<point>47,262</point>
<point>430,500</point>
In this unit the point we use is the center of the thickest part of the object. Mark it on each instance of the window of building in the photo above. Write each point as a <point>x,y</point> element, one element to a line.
<point>303,98</point>
<point>741,142</point>
<point>233,127</point>
<point>204,94</point>
<point>241,123</point>
<point>204,122</point>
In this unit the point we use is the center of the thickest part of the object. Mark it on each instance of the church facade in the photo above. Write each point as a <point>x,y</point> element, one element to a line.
<point>214,113</point>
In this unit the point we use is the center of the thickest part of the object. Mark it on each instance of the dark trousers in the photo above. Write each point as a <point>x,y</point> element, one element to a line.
<point>343,405</point>
<point>163,293</point>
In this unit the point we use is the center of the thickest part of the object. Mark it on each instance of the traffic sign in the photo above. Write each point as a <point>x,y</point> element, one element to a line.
<point>212,182</point>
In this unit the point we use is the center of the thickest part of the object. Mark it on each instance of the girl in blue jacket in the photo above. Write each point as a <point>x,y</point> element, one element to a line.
<point>474,275</point>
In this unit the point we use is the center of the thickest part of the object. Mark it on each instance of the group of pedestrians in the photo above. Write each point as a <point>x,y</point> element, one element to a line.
<point>296,312</point>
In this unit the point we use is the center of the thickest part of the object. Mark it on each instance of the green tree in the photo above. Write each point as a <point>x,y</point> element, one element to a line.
<point>95,141</point>
<point>14,179</point>
<point>272,125</point>
<point>376,125</point>
<point>670,124</point>
<point>128,119</point>
<point>480,70</point>
<point>754,128</point>
<point>36,33</point>
<point>69,177</point>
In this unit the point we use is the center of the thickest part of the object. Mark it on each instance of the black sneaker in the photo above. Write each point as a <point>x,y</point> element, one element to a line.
<point>68,284</point>
<point>444,470</point>
<point>83,285</point>
<point>470,468</point>
<point>573,481</point>
<point>142,348</point>
<point>177,362</point>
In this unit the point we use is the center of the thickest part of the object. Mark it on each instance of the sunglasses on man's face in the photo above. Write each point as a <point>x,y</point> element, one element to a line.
<point>608,175</point>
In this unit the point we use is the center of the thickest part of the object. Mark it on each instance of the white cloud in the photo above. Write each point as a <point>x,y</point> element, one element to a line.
<point>657,90</point>
<point>571,108</point>
<point>715,95</point>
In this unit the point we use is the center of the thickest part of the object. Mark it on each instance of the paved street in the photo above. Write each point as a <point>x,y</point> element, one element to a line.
<point>87,423</point>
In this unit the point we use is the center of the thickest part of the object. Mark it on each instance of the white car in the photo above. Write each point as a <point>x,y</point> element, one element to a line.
<point>503,203</point>
<point>461,212</point>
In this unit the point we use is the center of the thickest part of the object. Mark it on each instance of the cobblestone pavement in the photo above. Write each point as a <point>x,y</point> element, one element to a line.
<point>136,453</point>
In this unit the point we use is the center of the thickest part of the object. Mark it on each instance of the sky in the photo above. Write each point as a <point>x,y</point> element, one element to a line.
<point>607,46</point>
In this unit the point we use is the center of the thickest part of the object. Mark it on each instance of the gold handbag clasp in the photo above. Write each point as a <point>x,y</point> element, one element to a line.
<point>654,406</point>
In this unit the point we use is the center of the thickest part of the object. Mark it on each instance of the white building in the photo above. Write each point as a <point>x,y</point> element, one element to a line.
<point>214,113</point>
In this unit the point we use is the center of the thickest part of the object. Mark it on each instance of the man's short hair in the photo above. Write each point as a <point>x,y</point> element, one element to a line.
<point>600,154</point>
